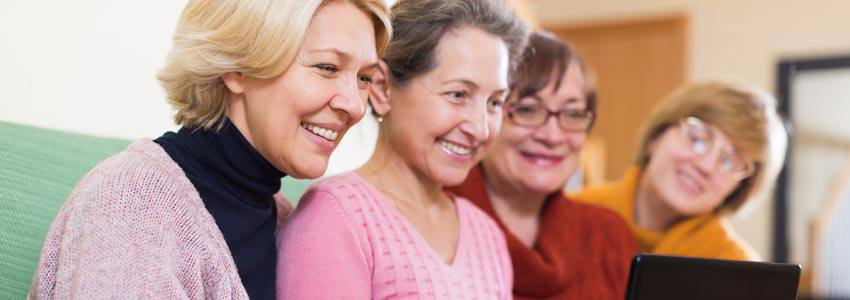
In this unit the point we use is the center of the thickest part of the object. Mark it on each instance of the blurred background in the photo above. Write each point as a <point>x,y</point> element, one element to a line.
<point>88,67</point>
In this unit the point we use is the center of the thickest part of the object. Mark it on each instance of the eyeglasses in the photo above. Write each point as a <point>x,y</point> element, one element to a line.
<point>536,115</point>
<point>703,141</point>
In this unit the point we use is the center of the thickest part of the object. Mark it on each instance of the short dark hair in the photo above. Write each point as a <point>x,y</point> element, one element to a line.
<point>546,59</point>
<point>418,26</point>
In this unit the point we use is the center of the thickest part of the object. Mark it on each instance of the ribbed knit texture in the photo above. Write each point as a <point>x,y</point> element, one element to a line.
<point>581,251</point>
<point>135,227</point>
<point>236,184</point>
<point>347,241</point>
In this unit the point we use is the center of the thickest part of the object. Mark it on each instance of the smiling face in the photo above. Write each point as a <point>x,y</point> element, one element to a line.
<point>541,160</point>
<point>440,122</point>
<point>295,120</point>
<point>688,183</point>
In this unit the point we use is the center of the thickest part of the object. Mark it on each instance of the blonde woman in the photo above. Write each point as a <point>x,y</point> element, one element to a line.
<point>706,150</point>
<point>262,89</point>
<point>388,229</point>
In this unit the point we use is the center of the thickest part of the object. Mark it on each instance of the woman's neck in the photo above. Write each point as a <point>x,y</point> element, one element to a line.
<point>505,193</point>
<point>650,211</point>
<point>386,168</point>
<point>518,208</point>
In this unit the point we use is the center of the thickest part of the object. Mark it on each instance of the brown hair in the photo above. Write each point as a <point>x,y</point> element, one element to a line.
<point>546,59</point>
<point>418,26</point>
<point>745,114</point>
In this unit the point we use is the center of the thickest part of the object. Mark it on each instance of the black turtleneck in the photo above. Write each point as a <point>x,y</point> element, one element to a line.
<point>236,185</point>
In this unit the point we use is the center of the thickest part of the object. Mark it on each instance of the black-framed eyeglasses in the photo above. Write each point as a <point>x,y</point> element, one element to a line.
<point>536,115</point>
<point>702,141</point>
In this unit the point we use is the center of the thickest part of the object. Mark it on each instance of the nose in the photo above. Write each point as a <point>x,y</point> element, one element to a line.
<point>347,99</point>
<point>476,122</point>
<point>550,133</point>
<point>707,163</point>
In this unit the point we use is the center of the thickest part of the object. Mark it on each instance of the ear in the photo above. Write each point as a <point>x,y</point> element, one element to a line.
<point>234,81</point>
<point>379,93</point>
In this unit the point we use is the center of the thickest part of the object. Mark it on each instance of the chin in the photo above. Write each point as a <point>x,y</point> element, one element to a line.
<point>309,169</point>
<point>451,177</point>
<point>543,184</point>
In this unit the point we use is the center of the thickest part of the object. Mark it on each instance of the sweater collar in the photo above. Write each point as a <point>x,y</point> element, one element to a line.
<point>542,267</point>
<point>238,166</point>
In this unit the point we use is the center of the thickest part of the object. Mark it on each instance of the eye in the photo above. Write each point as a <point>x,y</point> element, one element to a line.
<point>525,109</point>
<point>363,81</point>
<point>495,104</point>
<point>457,95</point>
<point>326,68</point>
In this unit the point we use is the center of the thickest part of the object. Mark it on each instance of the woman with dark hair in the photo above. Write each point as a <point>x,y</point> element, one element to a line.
<point>560,249</point>
<point>388,229</point>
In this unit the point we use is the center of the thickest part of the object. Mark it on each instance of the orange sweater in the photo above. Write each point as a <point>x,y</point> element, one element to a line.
<point>708,235</point>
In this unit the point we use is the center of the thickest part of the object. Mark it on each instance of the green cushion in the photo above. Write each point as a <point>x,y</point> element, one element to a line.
<point>38,169</point>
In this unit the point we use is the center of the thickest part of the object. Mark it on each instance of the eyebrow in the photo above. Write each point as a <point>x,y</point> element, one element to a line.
<point>470,83</point>
<point>343,56</point>
<point>339,53</point>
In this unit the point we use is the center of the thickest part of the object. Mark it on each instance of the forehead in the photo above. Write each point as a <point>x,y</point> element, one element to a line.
<point>572,88</point>
<point>344,27</point>
<point>473,54</point>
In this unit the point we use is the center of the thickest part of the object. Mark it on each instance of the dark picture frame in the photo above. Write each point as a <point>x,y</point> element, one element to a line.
<point>787,70</point>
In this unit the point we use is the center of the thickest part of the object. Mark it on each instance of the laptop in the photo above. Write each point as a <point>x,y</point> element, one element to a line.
<point>674,277</point>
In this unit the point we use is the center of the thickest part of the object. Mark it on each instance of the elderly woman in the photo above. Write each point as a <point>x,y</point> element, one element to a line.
<point>560,249</point>
<point>706,150</point>
<point>388,230</point>
<point>261,89</point>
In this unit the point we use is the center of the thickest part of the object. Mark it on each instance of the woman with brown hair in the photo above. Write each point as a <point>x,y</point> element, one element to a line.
<point>706,150</point>
<point>388,230</point>
<point>560,249</point>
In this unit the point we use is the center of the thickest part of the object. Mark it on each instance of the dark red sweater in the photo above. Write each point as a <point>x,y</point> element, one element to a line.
<point>581,252</point>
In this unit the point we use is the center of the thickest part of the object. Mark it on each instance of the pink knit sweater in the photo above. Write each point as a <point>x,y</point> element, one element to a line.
<point>346,241</point>
<point>134,227</point>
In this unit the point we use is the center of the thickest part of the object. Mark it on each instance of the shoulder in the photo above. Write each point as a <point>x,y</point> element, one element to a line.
<point>730,245</point>
<point>346,192</point>
<point>598,194</point>
<point>593,224</point>
<point>594,216</point>
<point>477,218</point>
<point>332,204</point>
<point>142,179</point>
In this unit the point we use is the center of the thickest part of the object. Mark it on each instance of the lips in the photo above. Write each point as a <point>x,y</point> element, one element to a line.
<point>323,132</point>
<point>689,183</point>
<point>541,159</point>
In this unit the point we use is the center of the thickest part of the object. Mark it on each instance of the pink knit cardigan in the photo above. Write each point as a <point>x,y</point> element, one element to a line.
<point>135,227</point>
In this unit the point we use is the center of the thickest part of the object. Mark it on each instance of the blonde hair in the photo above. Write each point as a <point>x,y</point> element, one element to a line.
<point>745,114</point>
<point>258,38</point>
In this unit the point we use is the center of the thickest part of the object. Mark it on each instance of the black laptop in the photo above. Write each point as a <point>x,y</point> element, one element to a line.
<point>660,277</point>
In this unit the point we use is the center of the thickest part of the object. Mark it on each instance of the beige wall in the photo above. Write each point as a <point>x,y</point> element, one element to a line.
<point>742,39</point>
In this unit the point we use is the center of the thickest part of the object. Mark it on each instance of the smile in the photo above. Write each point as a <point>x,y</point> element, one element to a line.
<point>690,182</point>
<point>325,133</point>
<point>455,148</point>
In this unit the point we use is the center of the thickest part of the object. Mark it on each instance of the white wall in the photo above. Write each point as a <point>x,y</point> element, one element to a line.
<point>86,66</point>
<point>742,39</point>
<point>90,66</point>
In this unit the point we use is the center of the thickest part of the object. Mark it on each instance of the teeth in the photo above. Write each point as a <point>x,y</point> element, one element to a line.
<point>322,132</point>
<point>455,148</point>
<point>690,180</point>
